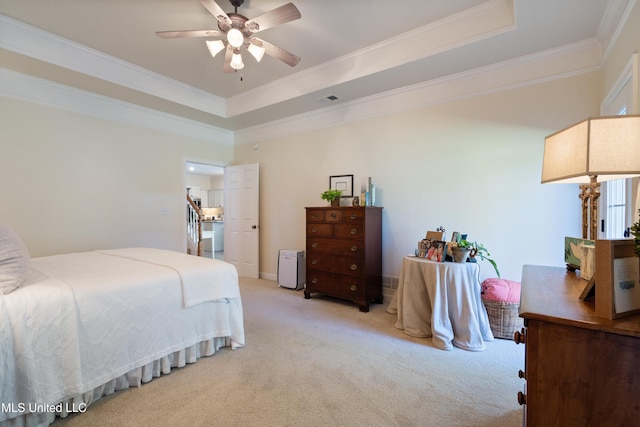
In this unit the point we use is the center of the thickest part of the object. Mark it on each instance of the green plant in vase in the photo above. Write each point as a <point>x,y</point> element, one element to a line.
<point>478,250</point>
<point>332,196</point>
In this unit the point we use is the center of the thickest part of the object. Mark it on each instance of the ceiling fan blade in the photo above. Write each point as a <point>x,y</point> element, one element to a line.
<point>277,16</point>
<point>226,68</point>
<point>276,52</point>
<point>218,12</point>
<point>188,33</point>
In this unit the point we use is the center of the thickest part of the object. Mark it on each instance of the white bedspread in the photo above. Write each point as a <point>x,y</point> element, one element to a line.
<point>192,270</point>
<point>82,319</point>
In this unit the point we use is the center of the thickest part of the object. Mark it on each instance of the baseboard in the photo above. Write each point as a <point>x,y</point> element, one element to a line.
<point>389,284</point>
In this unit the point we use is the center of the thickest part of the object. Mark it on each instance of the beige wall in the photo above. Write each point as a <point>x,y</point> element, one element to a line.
<point>71,182</point>
<point>472,166</point>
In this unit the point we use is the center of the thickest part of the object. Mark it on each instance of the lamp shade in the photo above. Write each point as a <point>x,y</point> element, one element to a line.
<point>236,62</point>
<point>606,147</point>
<point>256,51</point>
<point>215,46</point>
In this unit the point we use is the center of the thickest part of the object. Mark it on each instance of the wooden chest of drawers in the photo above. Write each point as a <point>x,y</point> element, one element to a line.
<point>344,253</point>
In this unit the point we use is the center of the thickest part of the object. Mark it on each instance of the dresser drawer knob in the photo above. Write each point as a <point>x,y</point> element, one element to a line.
<point>333,215</point>
<point>314,230</point>
<point>314,245</point>
<point>521,374</point>
<point>354,248</point>
<point>354,288</point>
<point>314,262</point>
<point>314,281</point>
<point>522,398</point>
<point>519,337</point>
<point>314,216</point>
<point>354,231</point>
<point>353,217</point>
<point>354,267</point>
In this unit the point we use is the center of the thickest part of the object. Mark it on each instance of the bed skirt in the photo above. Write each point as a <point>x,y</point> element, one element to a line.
<point>134,378</point>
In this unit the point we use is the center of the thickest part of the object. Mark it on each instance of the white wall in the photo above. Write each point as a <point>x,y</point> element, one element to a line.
<point>472,166</point>
<point>72,182</point>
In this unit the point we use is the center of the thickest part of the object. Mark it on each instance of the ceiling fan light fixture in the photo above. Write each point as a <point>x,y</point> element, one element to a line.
<point>215,46</point>
<point>256,51</point>
<point>236,62</point>
<point>235,37</point>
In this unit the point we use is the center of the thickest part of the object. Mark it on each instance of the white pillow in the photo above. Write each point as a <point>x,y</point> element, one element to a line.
<point>14,260</point>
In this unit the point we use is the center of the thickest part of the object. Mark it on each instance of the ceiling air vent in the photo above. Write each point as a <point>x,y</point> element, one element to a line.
<point>329,98</point>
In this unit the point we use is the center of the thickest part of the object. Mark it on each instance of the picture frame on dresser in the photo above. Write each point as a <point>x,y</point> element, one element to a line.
<point>343,183</point>
<point>617,279</point>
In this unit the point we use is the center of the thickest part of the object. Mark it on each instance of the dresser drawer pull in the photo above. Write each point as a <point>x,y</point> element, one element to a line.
<point>354,231</point>
<point>520,337</point>
<point>314,262</point>
<point>521,374</point>
<point>354,248</point>
<point>353,217</point>
<point>314,216</point>
<point>314,245</point>
<point>314,230</point>
<point>314,281</point>
<point>522,398</point>
<point>354,267</point>
<point>354,288</point>
<point>333,215</point>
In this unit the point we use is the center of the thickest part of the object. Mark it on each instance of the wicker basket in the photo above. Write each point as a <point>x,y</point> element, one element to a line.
<point>503,318</point>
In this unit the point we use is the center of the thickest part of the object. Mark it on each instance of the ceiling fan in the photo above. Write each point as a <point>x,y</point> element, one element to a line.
<point>238,31</point>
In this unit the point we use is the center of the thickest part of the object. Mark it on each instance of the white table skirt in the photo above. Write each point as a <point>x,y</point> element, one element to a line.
<point>441,300</point>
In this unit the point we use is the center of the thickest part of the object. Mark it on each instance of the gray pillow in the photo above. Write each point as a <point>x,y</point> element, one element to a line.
<point>14,260</point>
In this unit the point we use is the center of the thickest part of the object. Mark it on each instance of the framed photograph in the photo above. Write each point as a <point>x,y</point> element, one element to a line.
<point>433,250</point>
<point>617,279</point>
<point>343,183</point>
<point>437,251</point>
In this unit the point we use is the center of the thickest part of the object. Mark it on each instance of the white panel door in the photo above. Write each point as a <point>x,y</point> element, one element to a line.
<point>241,218</point>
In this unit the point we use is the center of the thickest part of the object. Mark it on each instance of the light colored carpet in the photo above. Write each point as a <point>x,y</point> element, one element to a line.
<point>321,362</point>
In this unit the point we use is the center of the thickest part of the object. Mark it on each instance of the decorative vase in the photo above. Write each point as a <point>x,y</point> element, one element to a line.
<point>335,202</point>
<point>460,254</point>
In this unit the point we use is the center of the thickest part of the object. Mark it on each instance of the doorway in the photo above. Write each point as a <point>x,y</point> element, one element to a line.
<point>205,184</point>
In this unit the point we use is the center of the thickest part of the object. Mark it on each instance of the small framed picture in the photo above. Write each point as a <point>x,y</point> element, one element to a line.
<point>343,183</point>
<point>437,251</point>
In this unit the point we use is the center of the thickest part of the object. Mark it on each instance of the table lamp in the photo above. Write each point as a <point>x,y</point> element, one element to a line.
<point>590,152</point>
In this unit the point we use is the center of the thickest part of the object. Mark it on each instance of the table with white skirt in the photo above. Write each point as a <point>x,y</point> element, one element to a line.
<point>441,300</point>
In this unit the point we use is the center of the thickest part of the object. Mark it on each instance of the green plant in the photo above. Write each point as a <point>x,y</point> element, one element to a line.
<point>635,230</point>
<point>478,250</point>
<point>331,195</point>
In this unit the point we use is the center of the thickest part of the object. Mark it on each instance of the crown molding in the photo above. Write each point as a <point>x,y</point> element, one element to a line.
<point>566,61</point>
<point>44,92</point>
<point>477,23</point>
<point>483,21</point>
<point>570,60</point>
<point>35,43</point>
<point>614,19</point>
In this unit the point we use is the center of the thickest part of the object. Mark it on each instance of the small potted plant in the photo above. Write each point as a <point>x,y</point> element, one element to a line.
<point>478,250</point>
<point>332,196</point>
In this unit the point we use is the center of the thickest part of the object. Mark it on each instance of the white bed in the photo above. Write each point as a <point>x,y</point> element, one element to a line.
<point>83,325</point>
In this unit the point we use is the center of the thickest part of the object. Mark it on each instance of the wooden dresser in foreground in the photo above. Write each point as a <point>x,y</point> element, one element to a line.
<point>580,370</point>
<point>344,253</point>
